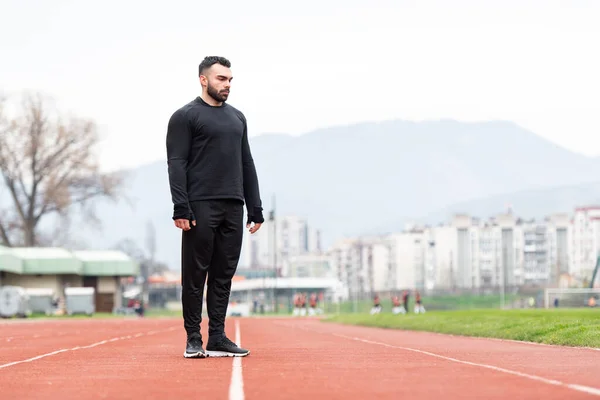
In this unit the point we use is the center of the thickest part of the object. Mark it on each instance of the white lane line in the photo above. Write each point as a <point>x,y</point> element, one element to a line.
<point>579,388</point>
<point>236,387</point>
<point>83,347</point>
<point>523,342</point>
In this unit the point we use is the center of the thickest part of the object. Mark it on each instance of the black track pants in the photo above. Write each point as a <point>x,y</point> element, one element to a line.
<point>211,248</point>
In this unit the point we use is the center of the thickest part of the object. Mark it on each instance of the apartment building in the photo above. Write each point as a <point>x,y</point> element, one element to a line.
<point>585,241</point>
<point>310,265</point>
<point>362,264</point>
<point>533,265</point>
<point>407,263</point>
<point>346,261</point>
<point>464,253</point>
<point>290,235</point>
<point>504,250</point>
<point>559,237</point>
<point>470,253</point>
<point>441,256</point>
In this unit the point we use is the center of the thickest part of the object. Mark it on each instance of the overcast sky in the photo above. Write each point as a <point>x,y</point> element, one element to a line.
<point>304,65</point>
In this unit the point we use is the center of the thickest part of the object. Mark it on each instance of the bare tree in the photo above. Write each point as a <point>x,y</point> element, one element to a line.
<point>145,258</point>
<point>47,167</point>
<point>131,248</point>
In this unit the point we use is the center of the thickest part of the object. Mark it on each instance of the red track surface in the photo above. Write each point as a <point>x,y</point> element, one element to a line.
<point>290,359</point>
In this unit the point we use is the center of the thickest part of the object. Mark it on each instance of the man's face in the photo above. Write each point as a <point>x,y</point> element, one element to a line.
<point>218,82</point>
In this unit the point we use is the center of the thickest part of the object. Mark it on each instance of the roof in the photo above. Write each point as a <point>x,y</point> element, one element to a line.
<point>287,283</point>
<point>101,255</point>
<point>110,262</point>
<point>9,262</point>
<point>59,261</point>
<point>39,253</point>
<point>46,260</point>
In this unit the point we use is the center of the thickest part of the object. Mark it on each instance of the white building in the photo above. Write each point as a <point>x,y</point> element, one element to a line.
<point>559,237</point>
<point>533,259</point>
<point>464,253</point>
<point>291,236</point>
<point>409,259</point>
<point>362,264</point>
<point>585,241</point>
<point>310,265</point>
<point>468,253</point>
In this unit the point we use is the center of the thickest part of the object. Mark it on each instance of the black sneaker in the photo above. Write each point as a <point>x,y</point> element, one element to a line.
<point>193,348</point>
<point>225,348</point>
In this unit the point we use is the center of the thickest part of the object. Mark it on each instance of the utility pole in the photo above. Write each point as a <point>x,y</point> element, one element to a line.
<point>503,278</point>
<point>274,221</point>
<point>148,263</point>
<point>356,272</point>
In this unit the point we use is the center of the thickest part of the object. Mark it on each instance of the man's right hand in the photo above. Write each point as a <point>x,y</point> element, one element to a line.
<point>184,224</point>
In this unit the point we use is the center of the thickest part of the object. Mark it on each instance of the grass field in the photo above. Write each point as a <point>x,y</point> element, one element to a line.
<point>570,327</point>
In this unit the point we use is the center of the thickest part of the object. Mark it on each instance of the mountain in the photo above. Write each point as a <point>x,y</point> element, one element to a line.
<point>348,180</point>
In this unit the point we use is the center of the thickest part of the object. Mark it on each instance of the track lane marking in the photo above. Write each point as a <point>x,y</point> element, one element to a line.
<point>236,387</point>
<point>579,388</point>
<point>89,346</point>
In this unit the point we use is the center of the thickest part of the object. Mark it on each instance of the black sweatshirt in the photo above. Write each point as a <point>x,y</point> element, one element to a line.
<point>208,157</point>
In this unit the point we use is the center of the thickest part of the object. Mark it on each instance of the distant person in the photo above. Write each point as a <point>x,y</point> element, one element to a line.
<point>297,304</point>
<point>397,306</point>
<point>139,308</point>
<point>405,300</point>
<point>303,304</point>
<point>313,304</point>
<point>419,309</point>
<point>211,174</point>
<point>376,305</point>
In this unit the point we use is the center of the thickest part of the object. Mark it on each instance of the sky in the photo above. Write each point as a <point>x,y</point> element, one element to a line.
<point>308,65</point>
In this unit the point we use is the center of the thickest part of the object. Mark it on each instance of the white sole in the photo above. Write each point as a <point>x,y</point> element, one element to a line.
<point>214,353</point>
<point>194,355</point>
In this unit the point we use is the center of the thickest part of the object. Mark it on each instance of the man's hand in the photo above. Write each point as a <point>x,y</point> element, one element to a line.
<point>184,224</point>
<point>253,228</point>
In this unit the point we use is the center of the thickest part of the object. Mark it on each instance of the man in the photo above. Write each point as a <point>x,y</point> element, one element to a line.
<point>211,175</point>
<point>376,305</point>
<point>397,306</point>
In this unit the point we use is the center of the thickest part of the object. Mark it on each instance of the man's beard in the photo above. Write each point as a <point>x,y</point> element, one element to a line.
<point>218,96</point>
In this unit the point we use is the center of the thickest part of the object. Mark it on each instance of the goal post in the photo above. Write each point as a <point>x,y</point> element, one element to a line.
<point>571,297</point>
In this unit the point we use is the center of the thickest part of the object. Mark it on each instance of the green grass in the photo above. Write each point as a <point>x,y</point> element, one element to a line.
<point>569,327</point>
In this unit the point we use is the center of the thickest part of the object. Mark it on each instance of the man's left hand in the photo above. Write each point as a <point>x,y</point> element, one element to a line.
<point>253,228</point>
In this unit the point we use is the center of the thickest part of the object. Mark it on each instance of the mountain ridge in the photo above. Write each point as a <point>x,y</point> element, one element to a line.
<point>352,179</point>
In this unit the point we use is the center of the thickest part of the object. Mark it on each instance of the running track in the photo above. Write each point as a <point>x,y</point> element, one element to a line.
<point>290,359</point>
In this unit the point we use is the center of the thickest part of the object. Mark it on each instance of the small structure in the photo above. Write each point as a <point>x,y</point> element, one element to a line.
<point>80,300</point>
<point>41,300</point>
<point>13,302</point>
<point>57,269</point>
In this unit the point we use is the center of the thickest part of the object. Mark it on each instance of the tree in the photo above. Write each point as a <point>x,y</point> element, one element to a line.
<point>145,258</point>
<point>47,167</point>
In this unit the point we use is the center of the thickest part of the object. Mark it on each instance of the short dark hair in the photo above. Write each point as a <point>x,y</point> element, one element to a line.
<point>209,61</point>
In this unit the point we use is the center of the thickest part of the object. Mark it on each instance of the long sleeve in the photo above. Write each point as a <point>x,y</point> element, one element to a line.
<point>179,140</point>
<point>251,187</point>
